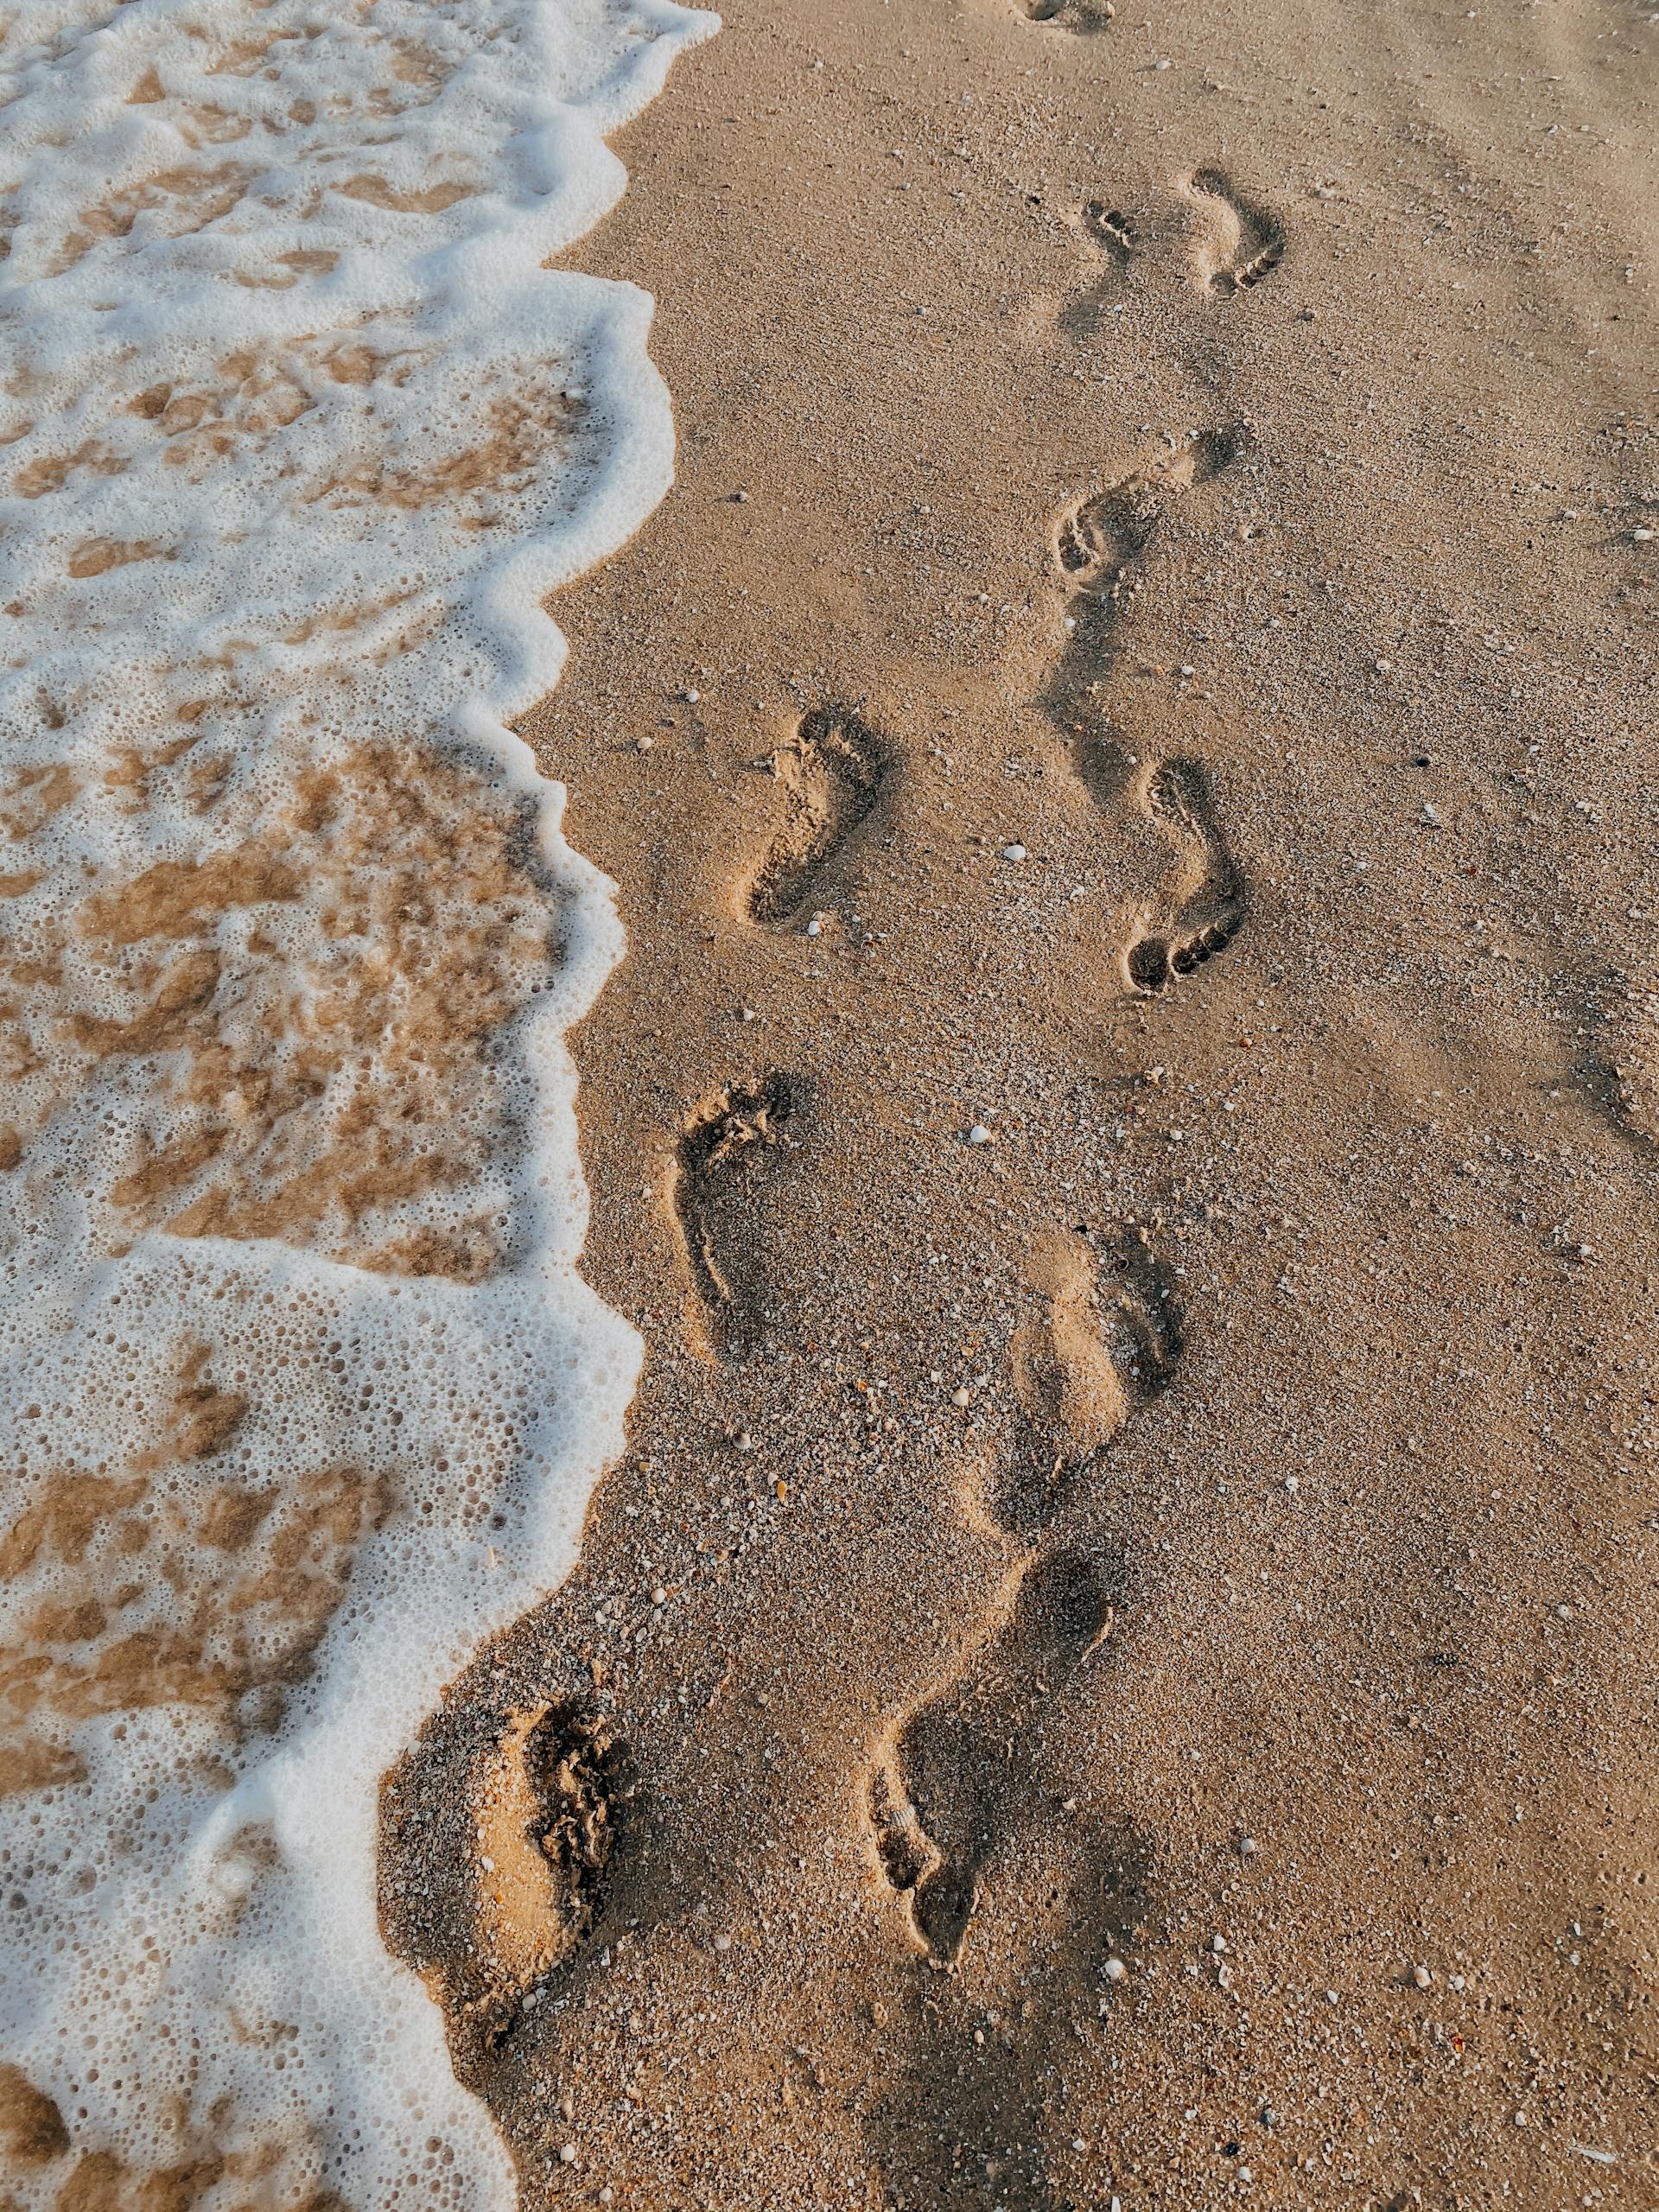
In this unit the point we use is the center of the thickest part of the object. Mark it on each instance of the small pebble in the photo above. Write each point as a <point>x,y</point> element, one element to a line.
<point>1115,1969</point>
<point>1013,852</point>
<point>644,744</point>
<point>979,1134</point>
<point>567,2156</point>
<point>961,1396</point>
<point>1421,1976</point>
<point>1642,537</point>
<point>815,927</point>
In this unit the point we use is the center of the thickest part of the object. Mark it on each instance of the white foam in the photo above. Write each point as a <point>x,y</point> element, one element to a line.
<point>300,1393</point>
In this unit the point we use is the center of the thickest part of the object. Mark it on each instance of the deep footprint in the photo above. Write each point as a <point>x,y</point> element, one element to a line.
<point>958,1777</point>
<point>1246,240</point>
<point>1068,15</point>
<point>833,771</point>
<point>728,1157</point>
<point>549,1810</point>
<point>1208,901</point>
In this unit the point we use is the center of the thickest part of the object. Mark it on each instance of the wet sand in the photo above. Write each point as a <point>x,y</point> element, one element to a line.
<point>1120,1660</point>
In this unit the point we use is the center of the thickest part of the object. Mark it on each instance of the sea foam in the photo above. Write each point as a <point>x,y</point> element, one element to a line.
<point>300,1396</point>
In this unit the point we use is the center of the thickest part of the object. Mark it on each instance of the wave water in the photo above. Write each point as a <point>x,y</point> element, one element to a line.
<point>300,1396</point>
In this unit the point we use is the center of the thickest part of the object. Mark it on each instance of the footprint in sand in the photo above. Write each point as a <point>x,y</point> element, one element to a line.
<point>728,1155</point>
<point>1206,901</point>
<point>1109,242</point>
<point>549,1806</point>
<point>1110,1335</point>
<point>1068,15</point>
<point>1240,241</point>
<point>952,1780</point>
<point>833,772</point>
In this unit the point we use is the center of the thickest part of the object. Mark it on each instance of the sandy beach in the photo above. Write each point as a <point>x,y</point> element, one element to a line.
<point>1117,1667</point>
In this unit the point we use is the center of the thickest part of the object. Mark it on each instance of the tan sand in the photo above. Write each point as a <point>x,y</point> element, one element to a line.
<point>1122,1660</point>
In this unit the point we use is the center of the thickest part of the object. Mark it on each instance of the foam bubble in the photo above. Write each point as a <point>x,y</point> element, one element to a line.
<point>300,1393</point>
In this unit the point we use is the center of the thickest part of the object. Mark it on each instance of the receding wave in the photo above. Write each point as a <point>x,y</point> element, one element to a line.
<point>301,1395</point>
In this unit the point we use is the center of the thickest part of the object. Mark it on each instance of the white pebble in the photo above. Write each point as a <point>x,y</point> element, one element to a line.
<point>1013,852</point>
<point>567,2156</point>
<point>979,1134</point>
<point>815,927</point>
<point>1115,1969</point>
<point>1421,1976</point>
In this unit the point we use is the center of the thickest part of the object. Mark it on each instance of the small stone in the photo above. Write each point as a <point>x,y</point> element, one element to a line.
<point>660,1596</point>
<point>1188,669</point>
<point>962,1396</point>
<point>1115,1969</point>
<point>567,2156</point>
<point>1292,1483</point>
<point>1015,852</point>
<point>739,498</point>
<point>1247,1846</point>
<point>1217,1943</point>
<point>644,744</point>
<point>1421,1976</point>
<point>1431,815</point>
<point>1383,667</point>
<point>815,927</point>
<point>691,697</point>
<point>1161,64</point>
<point>1642,537</point>
<point>488,1865</point>
<point>979,1134</point>
<point>1519,2118</point>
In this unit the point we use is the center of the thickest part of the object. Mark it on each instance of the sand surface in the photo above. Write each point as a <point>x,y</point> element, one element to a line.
<point>1120,1665</point>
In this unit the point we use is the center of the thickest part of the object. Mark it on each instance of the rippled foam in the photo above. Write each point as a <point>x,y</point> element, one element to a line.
<point>301,1393</point>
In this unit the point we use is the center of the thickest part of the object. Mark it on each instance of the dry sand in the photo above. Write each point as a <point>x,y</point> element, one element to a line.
<point>1121,1661</point>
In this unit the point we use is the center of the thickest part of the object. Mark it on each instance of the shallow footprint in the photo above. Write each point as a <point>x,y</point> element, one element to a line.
<point>1243,241</point>
<point>957,1778</point>
<point>727,1154</point>
<point>1111,239</point>
<point>1110,1338</point>
<point>833,771</point>
<point>1208,899</point>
